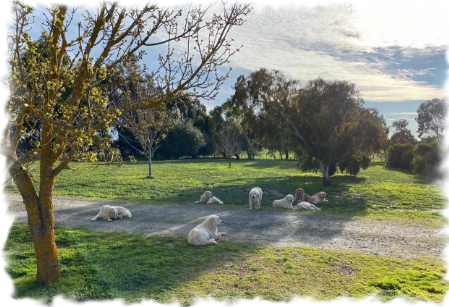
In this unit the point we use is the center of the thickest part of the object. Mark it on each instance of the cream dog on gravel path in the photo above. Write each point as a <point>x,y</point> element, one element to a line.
<point>255,198</point>
<point>112,212</point>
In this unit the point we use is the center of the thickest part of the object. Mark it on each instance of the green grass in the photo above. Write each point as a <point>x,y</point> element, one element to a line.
<point>376,191</point>
<point>103,266</point>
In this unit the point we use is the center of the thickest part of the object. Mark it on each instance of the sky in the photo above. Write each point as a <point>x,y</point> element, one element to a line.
<point>395,52</point>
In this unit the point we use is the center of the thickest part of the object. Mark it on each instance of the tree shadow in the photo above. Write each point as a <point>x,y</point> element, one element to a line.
<point>103,266</point>
<point>421,179</point>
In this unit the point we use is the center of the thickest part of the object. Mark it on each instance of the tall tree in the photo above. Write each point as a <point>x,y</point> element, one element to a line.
<point>401,134</point>
<point>432,118</point>
<point>326,118</point>
<point>63,87</point>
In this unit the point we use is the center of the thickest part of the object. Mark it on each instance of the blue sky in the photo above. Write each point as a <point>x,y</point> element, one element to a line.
<point>394,51</point>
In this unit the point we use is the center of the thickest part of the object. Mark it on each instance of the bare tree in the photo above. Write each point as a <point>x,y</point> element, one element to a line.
<point>229,141</point>
<point>148,126</point>
<point>58,95</point>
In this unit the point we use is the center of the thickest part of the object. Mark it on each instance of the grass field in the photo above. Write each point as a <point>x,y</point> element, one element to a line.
<point>375,191</point>
<point>101,266</point>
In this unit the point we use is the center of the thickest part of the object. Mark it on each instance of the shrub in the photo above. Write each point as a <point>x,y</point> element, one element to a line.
<point>406,160</point>
<point>427,158</point>
<point>395,153</point>
<point>183,140</point>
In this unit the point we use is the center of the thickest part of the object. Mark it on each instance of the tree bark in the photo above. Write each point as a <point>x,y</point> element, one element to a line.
<point>229,161</point>
<point>40,223</point>
<point>150,168</point>
<point>286,155</point>
<point>325,173</point>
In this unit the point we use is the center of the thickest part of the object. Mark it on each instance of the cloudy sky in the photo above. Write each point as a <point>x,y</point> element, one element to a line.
<point>394,51</point>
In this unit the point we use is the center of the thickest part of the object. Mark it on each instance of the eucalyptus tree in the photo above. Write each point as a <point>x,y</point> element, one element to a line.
<point>432,118</point>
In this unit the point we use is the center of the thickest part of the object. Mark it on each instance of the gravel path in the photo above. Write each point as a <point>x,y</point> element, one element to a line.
<point>272,228</point>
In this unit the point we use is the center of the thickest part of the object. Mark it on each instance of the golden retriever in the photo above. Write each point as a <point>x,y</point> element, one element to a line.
<point>204,198</point>
<point>255,198</point>
<point>306,206</point>
<point>286,202</point>
<point>300,194</point>
<point>206,233</point>
<point>317,198</point>
<point>112,212</point>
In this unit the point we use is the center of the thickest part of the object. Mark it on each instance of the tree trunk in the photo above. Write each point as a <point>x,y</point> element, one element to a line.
<point>237,156</point>
<point>40,222</point>
<point>229,161</point>
<point>286,155</point>
<point>325,173</point>
<point>150,168</point>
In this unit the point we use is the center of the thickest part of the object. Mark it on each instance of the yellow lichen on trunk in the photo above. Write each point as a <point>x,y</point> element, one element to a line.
<point>41,225</point>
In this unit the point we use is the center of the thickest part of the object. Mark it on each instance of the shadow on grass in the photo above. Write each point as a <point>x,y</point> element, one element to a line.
<point>419,179</point>
<point>103,266</point>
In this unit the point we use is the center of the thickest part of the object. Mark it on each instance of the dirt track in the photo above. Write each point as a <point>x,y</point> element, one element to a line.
<point>274,228</point>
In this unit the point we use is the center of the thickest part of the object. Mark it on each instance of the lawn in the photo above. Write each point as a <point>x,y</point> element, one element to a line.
<point>376,191</point>
<point>103,266</point>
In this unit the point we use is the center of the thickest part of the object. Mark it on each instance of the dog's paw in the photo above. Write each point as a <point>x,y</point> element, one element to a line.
<point>109,220</point>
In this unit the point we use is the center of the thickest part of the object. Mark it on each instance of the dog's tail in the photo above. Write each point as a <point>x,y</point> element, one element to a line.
<point>95,218</point>
<point>197,202</point>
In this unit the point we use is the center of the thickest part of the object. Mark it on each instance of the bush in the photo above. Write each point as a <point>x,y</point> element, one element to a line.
<point>426,159</point>
<point>406,160</point>
<point>208,148</point>
<point>183,140</point>
<point>395,153</point>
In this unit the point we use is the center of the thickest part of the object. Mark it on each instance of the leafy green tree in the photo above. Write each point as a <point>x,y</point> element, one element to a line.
<point>183,140</point>
<point>432,118</point>
<point>64,88</point>
<point>401,134</point>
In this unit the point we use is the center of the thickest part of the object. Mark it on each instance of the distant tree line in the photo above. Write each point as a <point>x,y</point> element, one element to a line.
<point>421,158</point>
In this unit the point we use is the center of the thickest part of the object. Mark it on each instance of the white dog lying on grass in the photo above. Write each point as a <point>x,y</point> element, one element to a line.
<point>112,212</point>
<point>204,198</point>
<point>306,205</point>
<point>206,233</point>
<point>286,202</point>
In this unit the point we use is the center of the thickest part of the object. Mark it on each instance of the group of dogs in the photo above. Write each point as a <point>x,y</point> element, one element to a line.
<point>207,232</point>
<point>255,199</point>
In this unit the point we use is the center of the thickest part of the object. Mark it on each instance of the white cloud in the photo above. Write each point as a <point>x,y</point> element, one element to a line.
<point>401,113</point>
<point>307,42</point>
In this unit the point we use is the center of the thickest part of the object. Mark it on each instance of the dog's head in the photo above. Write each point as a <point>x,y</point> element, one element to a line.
<point>208,194</point>
<point>322,196</point>
<point>300,194</point>
<point>290,198</point>
<point>254,194</point>
<point>213,221</point>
